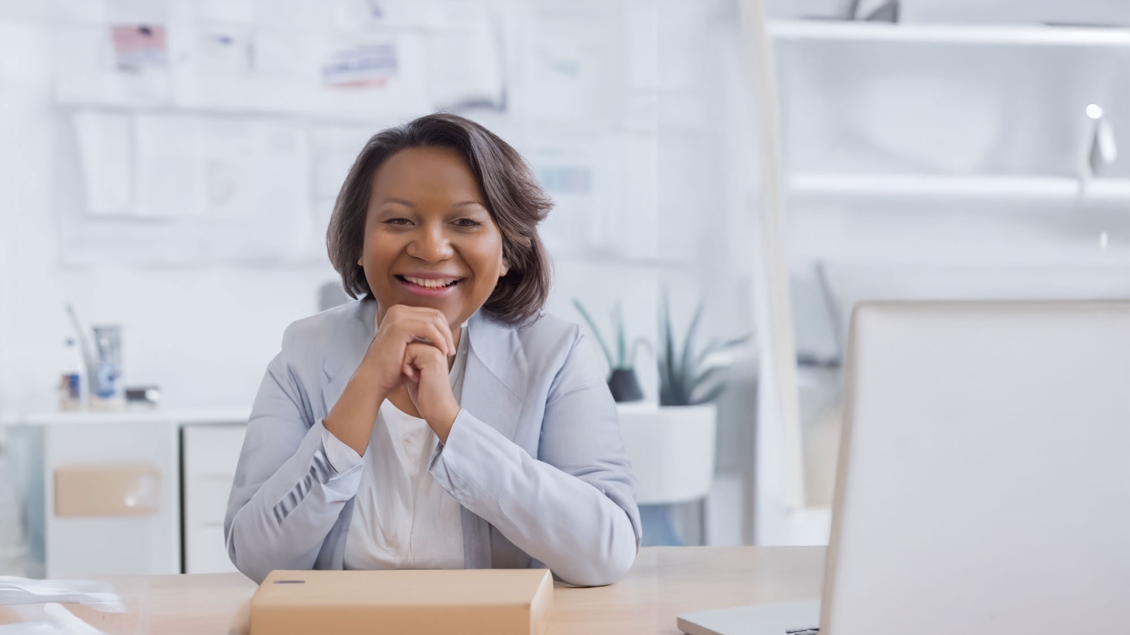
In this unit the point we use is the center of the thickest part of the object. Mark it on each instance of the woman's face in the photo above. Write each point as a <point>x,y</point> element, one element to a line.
<point>429,239</point>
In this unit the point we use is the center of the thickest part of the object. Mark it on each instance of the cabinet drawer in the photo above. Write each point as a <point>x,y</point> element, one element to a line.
<point>211,453</point>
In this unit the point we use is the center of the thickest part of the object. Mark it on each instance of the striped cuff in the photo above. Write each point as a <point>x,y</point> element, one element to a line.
<point>320,472</point>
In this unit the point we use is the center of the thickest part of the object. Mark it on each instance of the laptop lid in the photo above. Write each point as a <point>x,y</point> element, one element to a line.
<point>984,471</point>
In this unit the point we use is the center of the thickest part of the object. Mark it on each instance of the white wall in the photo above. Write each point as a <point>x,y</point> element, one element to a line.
<point>203,334</point>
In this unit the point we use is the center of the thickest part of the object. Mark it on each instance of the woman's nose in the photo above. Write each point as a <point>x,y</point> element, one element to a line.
<point>431,244</point>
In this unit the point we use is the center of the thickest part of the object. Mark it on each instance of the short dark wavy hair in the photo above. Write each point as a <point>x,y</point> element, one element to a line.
<point>515,200</point>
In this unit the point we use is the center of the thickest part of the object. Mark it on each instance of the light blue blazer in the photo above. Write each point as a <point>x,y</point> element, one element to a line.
<point>534,457</point>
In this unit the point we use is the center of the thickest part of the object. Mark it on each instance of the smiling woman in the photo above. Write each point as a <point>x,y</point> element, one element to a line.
<point>429,238</point>
<point>449,163</point>
<point>442,420</point>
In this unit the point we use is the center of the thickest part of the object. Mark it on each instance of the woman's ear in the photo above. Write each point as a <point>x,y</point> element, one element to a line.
<point>505,267</point>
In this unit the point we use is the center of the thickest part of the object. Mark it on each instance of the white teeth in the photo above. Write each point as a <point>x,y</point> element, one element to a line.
<point>430,284</point>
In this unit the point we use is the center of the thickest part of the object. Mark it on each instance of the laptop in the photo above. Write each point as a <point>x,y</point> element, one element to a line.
<point>983,481</point>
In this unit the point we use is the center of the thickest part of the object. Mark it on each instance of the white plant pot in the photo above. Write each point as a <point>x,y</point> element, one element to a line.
<point>671,449</point>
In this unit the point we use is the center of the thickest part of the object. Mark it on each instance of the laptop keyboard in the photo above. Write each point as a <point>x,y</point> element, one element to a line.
<point>803,631</point>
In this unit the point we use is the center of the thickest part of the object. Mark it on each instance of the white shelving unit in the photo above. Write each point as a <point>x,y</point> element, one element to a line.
<point>986,188</point>
<point>1000,35</point>
<point>1018,91</point>
<point>970,142</point>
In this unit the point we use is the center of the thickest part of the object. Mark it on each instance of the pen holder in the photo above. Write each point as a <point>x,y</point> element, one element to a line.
<point>104,387</point>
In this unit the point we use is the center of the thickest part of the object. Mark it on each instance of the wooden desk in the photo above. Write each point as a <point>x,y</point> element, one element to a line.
<point>664,582</point>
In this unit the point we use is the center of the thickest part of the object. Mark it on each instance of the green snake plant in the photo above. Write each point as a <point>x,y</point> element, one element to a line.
<point>620,358</point>
<point>682,381</point>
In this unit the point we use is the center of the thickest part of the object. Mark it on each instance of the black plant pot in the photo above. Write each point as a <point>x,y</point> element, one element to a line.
<point>624,386</point>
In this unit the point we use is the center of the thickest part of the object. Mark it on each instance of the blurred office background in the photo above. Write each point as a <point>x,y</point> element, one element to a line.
<point>169,166</point>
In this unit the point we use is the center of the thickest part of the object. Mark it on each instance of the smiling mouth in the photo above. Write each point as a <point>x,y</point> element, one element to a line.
<point>438,283</point>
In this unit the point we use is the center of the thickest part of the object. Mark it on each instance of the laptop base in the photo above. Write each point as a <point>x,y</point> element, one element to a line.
<point>761,619</point>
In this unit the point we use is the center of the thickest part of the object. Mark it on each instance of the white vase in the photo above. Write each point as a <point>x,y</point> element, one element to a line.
<point>671,449</point>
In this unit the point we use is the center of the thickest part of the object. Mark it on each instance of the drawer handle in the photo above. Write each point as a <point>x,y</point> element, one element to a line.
<point>114,489</point>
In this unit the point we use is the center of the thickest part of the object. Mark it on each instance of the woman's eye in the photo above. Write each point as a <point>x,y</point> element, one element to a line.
<point>467,222</point>
<point>398,221</point>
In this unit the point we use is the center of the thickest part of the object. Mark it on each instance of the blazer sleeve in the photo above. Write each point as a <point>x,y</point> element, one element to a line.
<point>291,483</point>
<point>573,506</point>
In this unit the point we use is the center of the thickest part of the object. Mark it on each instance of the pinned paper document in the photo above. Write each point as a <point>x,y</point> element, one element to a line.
<point>170,179</point>
<point>139,47</point>
<point>466,68</point>
<point>362,66</point>
<point>224,52</point>
<point>105,158</point>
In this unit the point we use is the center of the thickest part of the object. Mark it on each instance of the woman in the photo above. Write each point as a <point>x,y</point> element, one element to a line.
<point>443,420</point>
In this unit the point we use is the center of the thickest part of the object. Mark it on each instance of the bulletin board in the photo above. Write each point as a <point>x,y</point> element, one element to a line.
<point>199,131</point>
<point>194,131</point>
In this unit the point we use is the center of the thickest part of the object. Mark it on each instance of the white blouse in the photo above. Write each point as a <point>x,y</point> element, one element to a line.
<point>402,518</point>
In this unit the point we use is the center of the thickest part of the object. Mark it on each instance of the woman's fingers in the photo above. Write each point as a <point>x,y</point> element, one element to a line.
<point>434,328</point>
<point>431,390</point>
<point>441,339</point>
<point>422,356</point>
<point>416,323</point>
<point>413,365</point>
<point>445,329</point>
<point>444,340</point>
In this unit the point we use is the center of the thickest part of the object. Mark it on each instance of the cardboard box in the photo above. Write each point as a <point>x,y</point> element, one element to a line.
<point>471,602</point>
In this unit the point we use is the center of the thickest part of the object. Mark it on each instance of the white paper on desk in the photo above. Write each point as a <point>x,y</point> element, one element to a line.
<point>104,151</point>
<point>48,619</point>
<point>95,594</point>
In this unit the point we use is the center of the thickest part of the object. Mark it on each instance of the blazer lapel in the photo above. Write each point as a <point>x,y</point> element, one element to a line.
<point>496,375</point>
<point>346,350</point>
<point>494,378</point>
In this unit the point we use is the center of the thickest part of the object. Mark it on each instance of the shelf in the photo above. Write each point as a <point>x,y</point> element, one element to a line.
<point>129,415</point>
<point>1047,189</point>
<point>999,35</point>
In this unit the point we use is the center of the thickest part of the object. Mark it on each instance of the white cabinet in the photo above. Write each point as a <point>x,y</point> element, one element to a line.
<point>130,493</point>
<point>109,538</point>
<point>210,453</point>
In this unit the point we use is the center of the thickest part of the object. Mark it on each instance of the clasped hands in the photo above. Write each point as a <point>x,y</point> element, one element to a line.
<point>413,347</point>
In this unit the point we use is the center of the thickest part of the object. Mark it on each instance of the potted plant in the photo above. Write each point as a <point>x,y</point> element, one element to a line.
<point>622,379</point>
<point>672,447</point>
